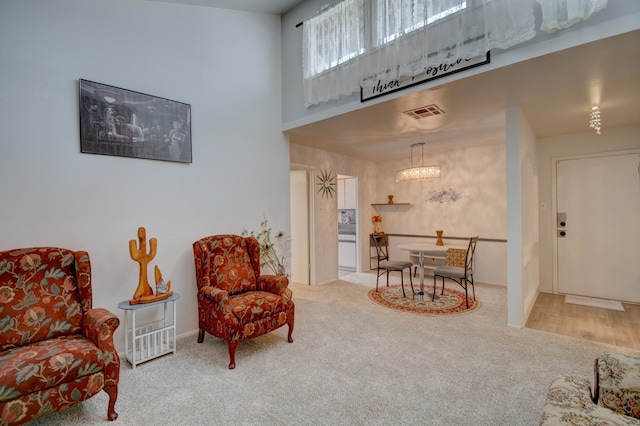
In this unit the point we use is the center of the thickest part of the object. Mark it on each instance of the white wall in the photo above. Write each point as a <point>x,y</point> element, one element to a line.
<point>612,139</point>
<point>522,223</point>
<point>478,172</point>
<point>325,208</point>
<point>225,64</point>
<point>478,175</point>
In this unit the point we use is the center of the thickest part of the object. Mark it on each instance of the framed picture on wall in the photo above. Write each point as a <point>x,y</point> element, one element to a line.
<point>120,122</point>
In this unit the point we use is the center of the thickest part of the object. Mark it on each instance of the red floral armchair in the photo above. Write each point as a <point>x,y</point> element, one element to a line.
<point>55,349</point>
<point>235,302</point>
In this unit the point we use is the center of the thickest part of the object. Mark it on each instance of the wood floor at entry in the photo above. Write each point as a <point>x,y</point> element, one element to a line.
<point>551,314</point>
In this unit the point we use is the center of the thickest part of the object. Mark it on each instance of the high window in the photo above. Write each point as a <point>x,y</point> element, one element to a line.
<point>357,43</point>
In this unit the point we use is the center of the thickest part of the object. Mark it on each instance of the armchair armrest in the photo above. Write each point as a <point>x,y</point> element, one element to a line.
<point>617,383</point>
<point>214,294</point>
<point>569,400</point>
<point>99,325</point>
<point>276,284</point>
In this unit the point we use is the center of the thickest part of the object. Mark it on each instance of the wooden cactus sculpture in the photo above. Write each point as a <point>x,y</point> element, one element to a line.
<point>144,293</point>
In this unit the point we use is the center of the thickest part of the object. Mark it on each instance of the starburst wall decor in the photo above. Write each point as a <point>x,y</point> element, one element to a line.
<point>326,183</point>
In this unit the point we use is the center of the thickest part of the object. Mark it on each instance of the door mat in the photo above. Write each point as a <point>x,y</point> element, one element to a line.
<point>613,305</point>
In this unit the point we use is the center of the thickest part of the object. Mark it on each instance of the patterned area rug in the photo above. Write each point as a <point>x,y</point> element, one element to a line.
<point>451,303</point>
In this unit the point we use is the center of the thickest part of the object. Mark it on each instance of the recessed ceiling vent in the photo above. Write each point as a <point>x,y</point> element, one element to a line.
<point>425,111</point>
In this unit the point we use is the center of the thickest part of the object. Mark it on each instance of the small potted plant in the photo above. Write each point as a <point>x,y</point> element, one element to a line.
<point>376,219</point>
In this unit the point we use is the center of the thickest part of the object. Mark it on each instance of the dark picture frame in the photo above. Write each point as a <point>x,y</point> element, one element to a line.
<point>125,123</point>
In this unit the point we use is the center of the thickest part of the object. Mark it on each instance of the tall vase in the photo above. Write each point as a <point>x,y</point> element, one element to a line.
<point>376,228</point>
<point>439,234</point>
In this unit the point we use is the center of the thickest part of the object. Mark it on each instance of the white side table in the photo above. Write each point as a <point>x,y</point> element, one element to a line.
<point>151,340</point>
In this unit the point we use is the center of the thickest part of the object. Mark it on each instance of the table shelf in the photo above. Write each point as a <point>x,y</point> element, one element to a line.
<point>151,340</point>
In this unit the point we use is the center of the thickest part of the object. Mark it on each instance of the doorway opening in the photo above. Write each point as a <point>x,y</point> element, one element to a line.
<point>348,247</point>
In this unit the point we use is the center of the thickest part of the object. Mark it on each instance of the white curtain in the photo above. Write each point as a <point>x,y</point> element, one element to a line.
<point>434,32</point>
<point>357,43</point>
<point>331,41</point>
<point>561,14</point>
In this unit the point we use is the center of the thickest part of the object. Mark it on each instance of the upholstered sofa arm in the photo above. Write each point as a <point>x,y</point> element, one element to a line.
<point>569,402</point>
<point>276,284</point>
<point>202,280</point>
<point>214,294</point>
<point>617,383</point>
<point>99,325</point>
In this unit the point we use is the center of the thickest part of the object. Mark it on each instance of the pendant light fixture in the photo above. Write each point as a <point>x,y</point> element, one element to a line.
<point>420,172</point>
<point>594,119</point>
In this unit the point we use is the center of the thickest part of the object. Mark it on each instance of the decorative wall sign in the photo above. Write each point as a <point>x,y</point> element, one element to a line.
<point>120,122</point>
<point>373,88</point>
<point>445,196</point>
<point>327,183</point>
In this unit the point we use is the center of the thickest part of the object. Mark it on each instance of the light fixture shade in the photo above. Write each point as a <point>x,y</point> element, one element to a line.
<point>417,173</point>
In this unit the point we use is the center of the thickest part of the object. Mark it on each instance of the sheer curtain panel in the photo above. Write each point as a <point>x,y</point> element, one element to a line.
<point>561,14</point>
<point>331,43</point>
<point>359,43</point>
<point>414,37</point>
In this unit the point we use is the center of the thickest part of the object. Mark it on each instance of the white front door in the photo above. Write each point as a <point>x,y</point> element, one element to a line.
<point>598,226</point>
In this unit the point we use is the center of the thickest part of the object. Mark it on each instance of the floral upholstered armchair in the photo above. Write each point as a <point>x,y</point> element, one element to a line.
<point>235,302</point>
<point>56,350</point>
<point>614,399</point>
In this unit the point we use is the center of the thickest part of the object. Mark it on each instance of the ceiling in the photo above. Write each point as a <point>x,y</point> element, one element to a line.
<point>555,92</point>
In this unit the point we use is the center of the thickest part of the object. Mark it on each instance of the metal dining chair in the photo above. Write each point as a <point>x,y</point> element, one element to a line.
<point>458,267</point>
<point>385,265</point>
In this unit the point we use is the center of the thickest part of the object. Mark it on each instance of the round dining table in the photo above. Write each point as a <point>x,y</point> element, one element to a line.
<point>429,249</point>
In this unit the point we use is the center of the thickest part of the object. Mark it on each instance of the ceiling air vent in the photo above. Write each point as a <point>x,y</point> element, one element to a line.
<point>424,112</point>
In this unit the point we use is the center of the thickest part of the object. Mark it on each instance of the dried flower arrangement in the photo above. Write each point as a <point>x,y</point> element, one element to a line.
<point>268,253</point>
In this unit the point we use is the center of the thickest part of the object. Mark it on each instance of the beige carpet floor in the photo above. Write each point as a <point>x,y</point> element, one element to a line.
<point>352,363</point>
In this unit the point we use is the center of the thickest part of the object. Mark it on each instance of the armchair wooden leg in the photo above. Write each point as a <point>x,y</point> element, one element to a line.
<point>112,391</point>
<point>290,336</point>
<point>232,354</point>
<point>200,336</point>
